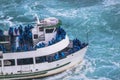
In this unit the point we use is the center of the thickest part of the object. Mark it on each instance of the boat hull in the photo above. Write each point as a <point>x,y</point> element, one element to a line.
<point>51,68</point>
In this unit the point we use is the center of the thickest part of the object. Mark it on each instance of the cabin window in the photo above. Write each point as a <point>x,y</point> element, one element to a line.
<point>38,24</point>
<point>41,29</point>
<point>4,38</point>
<point>40,59</point>
<point>25,61</point>
<point>49,30</point>
<point>10,62</point>
<point>35,36</point>
<point>0,63</point>
<point>1,55</point>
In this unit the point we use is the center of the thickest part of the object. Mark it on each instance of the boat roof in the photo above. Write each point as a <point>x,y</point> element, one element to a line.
<point>50,22</point>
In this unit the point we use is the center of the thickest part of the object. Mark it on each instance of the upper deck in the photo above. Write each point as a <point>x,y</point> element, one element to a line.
<point>29,37</point>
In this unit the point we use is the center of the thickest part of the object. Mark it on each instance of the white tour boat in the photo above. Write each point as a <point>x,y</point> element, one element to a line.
<point>39,50</point>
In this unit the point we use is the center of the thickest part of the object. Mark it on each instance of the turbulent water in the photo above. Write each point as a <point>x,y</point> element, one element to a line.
<point>99,18</point>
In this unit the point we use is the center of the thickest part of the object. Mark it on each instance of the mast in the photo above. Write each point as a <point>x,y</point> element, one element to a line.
<point>37,19</point>
<point>87,35</point>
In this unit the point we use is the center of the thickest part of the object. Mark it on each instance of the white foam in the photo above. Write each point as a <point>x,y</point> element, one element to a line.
<point>82,74</point>
<point>62,12</point>
<point>110,2</point>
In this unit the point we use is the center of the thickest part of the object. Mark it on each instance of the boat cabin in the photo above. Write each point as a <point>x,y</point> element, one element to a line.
<point>45,30</point>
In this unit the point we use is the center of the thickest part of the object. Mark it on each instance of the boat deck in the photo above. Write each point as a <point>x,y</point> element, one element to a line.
<point>74,46</point>
<point>9,46</point>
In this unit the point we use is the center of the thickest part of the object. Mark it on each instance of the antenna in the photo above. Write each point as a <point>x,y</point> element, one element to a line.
<point>87,33</point>
<point>87,38</point>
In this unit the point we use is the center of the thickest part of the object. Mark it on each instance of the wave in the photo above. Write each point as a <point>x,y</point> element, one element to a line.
<point>110,2</point>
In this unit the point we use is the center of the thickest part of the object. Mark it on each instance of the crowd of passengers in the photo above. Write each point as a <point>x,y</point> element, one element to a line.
<point>59,36</point>
<point>26,42</point>
<point>24,35</point>
<point>77,45</point>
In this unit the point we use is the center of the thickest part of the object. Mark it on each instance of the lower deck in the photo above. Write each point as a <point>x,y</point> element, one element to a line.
<point>42,69</point>
<point>73,47</point>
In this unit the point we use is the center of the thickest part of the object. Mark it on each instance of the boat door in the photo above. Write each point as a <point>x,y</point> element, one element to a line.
<point>26,64</point>
<point>26,68</point>
<point>41,34</point>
